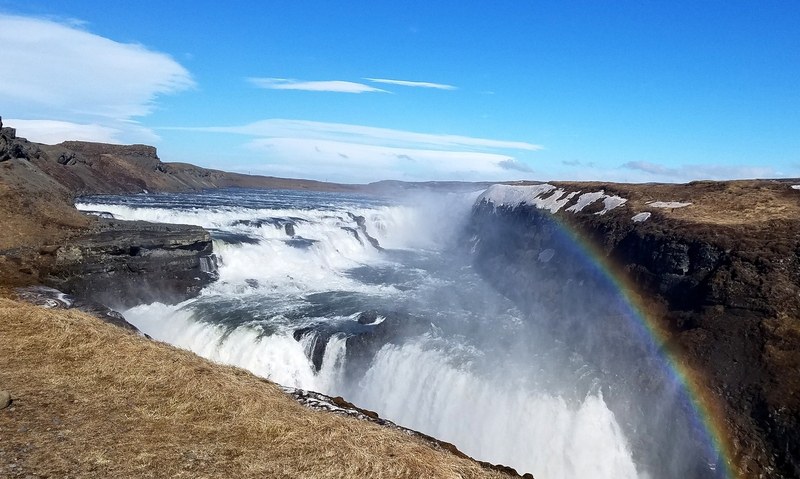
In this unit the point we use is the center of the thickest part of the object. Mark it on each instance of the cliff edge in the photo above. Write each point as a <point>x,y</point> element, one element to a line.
<point>715,265</point>
<point>45,240</point>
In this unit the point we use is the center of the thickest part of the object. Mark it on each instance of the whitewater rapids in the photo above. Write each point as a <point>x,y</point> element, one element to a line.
<point>469,372</point>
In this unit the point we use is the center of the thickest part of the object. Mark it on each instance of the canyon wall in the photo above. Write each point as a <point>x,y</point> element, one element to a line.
<point>716,267</point>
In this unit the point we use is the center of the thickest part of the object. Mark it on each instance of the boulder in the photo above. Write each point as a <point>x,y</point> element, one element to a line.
<point>368,317</point>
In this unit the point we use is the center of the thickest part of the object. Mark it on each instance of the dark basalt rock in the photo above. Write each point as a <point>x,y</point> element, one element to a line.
<point>394,329</point>
<point>126,263</point>
<point>52,298</point>
<point>368,317</point>
<point>727,297</point>
<point>287,224</point>
<point>300,243</point>
<point>319,344</point>
<point>353,232</point>
<point>231,237</point>
<point>12,148</point>
<point>361,222</point>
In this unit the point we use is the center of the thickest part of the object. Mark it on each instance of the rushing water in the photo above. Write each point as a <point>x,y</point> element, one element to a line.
<point>302,279</point>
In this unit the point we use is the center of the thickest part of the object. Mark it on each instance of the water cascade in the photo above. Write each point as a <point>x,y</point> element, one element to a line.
<point>401,324</point>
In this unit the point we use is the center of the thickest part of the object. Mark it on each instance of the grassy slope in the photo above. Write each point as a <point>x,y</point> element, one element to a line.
<point>91,400</point>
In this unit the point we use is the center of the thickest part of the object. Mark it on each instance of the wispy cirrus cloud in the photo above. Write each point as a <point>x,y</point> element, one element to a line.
<point>80,82</point>
<point>414,84</point>
<point>338,86</point>
<point>345,152</point>
<point>701,172</point>
<point>364,134</point>
<point>56,131</point>
<point>514,165</point>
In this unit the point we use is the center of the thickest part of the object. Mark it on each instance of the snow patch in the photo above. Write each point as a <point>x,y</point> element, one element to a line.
<point>537,195</point>
<point>534,195</point>
<point>640,217</point>
<point>508,195</point>
<point>611,202</point>
<point>585,200</point>
<point>796,187</point>
<point>667,204</point>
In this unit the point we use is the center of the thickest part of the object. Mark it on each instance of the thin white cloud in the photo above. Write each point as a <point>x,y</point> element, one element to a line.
<point>337,86</point>
<point>414,84</point>
<point>365,135</point>
<point>315,151</point>
<point>353,162</point>
<point>54,131</point>
<point>701,172</point>
<point>344,152</point>
<point>58,71</point>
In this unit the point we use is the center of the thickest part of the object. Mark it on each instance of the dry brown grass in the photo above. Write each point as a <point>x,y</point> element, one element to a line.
<point>91,400</point>
<point>727,203</point>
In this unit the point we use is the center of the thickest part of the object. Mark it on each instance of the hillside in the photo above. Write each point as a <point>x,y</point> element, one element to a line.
<point>93,400</point>
<point>39,182</point>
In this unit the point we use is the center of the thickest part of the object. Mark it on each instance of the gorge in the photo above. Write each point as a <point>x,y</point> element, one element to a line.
<point>651,328</point>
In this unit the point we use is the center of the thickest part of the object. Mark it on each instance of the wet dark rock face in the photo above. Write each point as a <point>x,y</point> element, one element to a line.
<point>124,263</point>
<point>727,298</point>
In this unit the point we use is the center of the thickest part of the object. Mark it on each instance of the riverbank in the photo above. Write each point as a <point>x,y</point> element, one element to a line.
<point>94,400</point>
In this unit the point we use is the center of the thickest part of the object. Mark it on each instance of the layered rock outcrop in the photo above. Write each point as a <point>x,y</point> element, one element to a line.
<point>121,264</point>
<point>45,240</point>
<point>717,267</point>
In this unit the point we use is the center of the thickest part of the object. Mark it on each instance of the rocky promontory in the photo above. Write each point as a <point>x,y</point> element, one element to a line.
<point>124,263</point>
<point>45,240</point>
<point>715,266</point>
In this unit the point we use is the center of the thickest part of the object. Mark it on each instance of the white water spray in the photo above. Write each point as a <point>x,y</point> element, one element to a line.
<point>414,384</point>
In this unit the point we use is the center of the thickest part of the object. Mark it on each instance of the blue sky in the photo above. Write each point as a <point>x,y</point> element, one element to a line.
<point>361,91</point>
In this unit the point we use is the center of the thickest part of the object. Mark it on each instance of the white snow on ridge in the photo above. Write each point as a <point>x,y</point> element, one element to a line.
<point>536,195</point>
<point>585,200</point>
<point>796,187</point>
<point>508,195</point>
<point>611,202</point>
<point>640,217</point>
<point>668,204</point>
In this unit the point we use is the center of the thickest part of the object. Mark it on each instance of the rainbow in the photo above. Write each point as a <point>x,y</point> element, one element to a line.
<point>708,415</point>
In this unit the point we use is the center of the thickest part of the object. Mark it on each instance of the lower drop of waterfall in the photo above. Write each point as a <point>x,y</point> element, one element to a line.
<point>532,432</point>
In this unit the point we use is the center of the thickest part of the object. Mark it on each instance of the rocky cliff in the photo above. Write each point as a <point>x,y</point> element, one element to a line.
<point>45,240</point>
<point>122,264</point>
<point>717,266</point>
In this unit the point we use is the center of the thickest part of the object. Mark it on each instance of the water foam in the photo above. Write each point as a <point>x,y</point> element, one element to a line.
<point>531,431</point>
<point>277,357</point>
<point>496,419</point>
